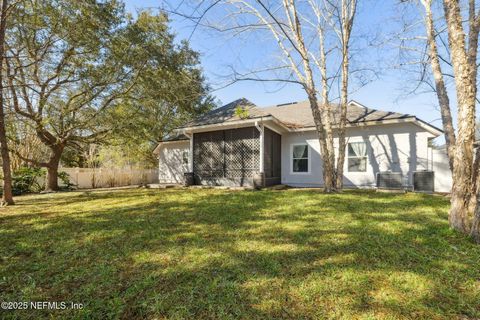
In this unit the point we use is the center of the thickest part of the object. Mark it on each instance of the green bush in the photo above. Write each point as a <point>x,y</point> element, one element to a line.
<point>66,183</point>
<point>26,179</point>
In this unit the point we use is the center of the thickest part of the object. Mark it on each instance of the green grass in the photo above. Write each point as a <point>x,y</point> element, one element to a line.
<point>196,254</point>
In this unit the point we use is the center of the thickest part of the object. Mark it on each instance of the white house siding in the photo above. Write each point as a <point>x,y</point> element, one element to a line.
<point>391,147</point>
<point>171,167</point>
<point>443,175</point>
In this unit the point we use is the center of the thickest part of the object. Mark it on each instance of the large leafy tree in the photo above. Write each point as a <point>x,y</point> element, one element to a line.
<point>70,62</point>
<point>62,71</point>
<point>169,91</point>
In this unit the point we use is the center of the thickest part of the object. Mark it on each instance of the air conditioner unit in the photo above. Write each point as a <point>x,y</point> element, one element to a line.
<point>389,180</point>
<point>424,181</point>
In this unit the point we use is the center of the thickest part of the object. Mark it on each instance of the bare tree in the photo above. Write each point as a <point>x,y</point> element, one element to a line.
<point>440,86</point>
<point>300,30</point>
<point>345,17</point>
<point>462,49</point>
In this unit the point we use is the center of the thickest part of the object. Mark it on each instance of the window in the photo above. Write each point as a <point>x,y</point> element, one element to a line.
<point>357,157</point>
<point>185,157</point>
<point>300,158</point>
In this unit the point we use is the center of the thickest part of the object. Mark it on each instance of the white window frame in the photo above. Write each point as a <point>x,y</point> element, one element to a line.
<point>309,158</point>
<point>366,158</point>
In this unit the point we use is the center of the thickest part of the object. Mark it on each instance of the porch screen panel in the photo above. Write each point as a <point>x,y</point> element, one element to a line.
<point>242,147</point>
<point>226,154</point>
<point>268,153</point>
<point>272,154</point>
<point>208,154</point>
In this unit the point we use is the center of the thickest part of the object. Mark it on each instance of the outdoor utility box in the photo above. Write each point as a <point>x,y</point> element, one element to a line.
<point>389,180</point>
<point>424,181</point>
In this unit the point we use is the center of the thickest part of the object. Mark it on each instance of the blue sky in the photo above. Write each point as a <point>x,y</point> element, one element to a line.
<point>385,93</point>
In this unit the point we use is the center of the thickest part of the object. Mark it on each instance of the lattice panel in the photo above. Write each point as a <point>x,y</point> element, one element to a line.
<point>227,154</point>
<point>208,154</point>
<point>242,148</point>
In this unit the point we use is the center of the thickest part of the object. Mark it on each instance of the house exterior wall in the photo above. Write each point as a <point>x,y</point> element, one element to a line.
<point>171,164</point>
<point>401,147</point>
<point>443,176</point>
<point>393,147</point>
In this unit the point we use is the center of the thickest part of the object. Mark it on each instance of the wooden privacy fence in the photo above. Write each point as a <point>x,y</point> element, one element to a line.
<point>84,178</point>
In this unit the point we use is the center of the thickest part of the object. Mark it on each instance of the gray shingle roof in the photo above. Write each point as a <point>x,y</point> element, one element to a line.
<point>297,114</point>
<point>227,113</point>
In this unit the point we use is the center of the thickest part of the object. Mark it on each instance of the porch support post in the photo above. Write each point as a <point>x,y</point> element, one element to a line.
<point>190,153</point>
<point>262,147</point>
<point>190,162</point>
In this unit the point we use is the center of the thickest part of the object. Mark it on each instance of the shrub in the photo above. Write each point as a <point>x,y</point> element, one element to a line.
<point>66,183</point>
<point>26,179</point>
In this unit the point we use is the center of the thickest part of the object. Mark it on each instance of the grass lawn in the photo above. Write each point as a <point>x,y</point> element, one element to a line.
<point>196,254</point>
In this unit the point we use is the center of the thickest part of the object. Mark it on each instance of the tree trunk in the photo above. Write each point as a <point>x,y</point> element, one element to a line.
<point>51,183</point>
<point>348,9</point>
<point>322,122</point>
<point>475,206</point>
<point>7,198</point>
<point>440,88</point>
<point>326,113</point>
<point>460,215</point>
<point>322,138</point>
<point>52,179</point>
<point>475,232</point>
<point>329,167</point>
<point>343,118</point>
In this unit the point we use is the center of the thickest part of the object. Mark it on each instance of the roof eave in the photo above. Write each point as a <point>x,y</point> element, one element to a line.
<point>234,123</point>
<point>429,127</point>
<point>161,143</point>
<point>412,119</point>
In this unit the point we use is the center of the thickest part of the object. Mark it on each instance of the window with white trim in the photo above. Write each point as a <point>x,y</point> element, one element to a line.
<point>357,157</point>
<point>300,158</point>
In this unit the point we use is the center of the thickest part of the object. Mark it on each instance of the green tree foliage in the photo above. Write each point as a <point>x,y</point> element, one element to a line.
<point>82,72</point>
<point>63,71</point>
<point>169,91</point>
<point>26,179</point>
<point>241,112</point>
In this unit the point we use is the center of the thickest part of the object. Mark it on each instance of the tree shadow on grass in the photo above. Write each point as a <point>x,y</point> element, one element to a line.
<point>223,254</point>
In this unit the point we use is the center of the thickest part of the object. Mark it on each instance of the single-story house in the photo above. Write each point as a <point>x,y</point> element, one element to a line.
<point>279,145</point>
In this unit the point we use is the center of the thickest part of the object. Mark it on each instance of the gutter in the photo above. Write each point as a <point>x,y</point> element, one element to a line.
<point>227,123</point>
<point>413,119</point>
<point>428,127</point>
